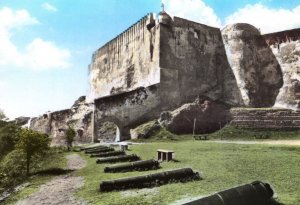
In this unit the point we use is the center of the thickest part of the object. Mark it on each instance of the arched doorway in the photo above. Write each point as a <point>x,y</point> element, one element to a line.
<point>108,131</point>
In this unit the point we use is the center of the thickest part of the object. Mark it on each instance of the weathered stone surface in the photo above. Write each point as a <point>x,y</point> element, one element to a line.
<point>165,64</point>
<point>119,66</point>
<point>146,130</point>
<point>56,123</point>
<point>286,48</point>
<point>256,69</point>
<point>266,118</point>
<point>21,121</point>
<point>107,131</point>
<point>209,115</point>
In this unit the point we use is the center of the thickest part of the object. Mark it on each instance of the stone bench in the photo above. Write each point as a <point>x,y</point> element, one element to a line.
<point>164,155</point>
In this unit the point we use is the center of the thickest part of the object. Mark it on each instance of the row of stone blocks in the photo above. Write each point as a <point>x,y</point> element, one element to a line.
<point>268,118</point>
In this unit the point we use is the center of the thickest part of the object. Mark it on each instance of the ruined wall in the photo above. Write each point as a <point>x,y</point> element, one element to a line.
<point>286,47</point>
<point>272,118</point>
<point>127,62</point>
<point>128,110</point>
<point>193,62</point>
<point>257,71</point>
<point>56,123</point>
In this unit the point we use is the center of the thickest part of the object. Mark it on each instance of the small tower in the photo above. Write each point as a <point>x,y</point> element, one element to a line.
<point>150,21</point>
<point>163,17</point>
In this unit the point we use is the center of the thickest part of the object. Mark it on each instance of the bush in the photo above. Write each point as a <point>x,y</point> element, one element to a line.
<point>12,169</point>
<point>9,135</point>
<point>70,135</point>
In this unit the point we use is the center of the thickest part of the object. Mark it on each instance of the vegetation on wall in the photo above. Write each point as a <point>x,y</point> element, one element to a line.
<point>70,135</point>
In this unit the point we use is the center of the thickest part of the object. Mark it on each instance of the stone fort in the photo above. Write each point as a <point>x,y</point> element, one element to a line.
<point>161,63</point>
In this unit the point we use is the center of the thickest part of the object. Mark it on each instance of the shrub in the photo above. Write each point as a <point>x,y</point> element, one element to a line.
<point>9,135</point>
<point>12,169</point>
<point>32,144</point>
<point>70,135</point>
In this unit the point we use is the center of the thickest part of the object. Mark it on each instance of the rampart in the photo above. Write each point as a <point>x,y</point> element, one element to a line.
<point>282,37</point>
<point>127,62</point>
<point>266,118</point>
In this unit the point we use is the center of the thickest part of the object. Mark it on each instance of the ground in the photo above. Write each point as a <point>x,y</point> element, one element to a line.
<point>222,164</point>
<point>60,190</point>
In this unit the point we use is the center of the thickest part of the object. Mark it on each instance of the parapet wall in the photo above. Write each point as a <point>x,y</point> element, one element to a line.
<point>282,37</point>
<point>272,118</point>
<point>127,62</point>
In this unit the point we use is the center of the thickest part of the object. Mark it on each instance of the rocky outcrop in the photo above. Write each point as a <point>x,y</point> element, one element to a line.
<point>146,130</point>
<point>79,116</point>
<point>107,131</point>
<point>256,69</point>
<point>207,115</point>
<point>286,48</point>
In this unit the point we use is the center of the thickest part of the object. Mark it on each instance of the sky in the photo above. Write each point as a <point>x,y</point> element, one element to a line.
<point>46,45</point>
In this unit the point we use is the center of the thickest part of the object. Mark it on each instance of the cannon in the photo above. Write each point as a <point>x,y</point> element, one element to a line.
<point>130,166</point>
<point>120,158</point>
<point>96,151</point>
<point>91,148</point>
<point>255,193</point>
<point>109,154</point>
<point>178,175</point>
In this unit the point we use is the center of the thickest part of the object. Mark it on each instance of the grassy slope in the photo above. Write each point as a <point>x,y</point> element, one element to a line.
<point>238,133</point>
<point>55,159</point>
<point>222,165</point>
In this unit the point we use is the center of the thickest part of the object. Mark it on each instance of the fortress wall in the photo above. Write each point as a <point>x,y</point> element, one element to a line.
<point>256,69</point>
<point>272,118</point>
<point>56,123</point>
<point>127,62</point>
<point>282,37</point>
<point>193,62</point>
<point>285,45</point>
<point>127,110</point>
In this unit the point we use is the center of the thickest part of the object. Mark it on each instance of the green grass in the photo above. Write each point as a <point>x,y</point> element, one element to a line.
<point>239,133</point>
<point>56,159</point>
<point>222,166</point>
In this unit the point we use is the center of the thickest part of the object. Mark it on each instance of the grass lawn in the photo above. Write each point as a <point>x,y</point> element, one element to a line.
<point>221,165</point>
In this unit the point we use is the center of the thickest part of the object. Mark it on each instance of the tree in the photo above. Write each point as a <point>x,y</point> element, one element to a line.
<point>2,115</point>
<point>9,136</point>
<point>70,135</point>
<point>32,143</point>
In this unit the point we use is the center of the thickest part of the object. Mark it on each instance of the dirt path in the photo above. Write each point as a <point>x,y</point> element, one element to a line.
<point>60,190</point>
<point>270,142</point>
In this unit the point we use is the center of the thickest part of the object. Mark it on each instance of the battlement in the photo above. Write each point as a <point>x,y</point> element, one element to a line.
<point>282,36</point>
<point>136,30</point>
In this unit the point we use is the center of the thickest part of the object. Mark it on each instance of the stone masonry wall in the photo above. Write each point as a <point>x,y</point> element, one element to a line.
<point>128,110</point>
<point>127,62</point>
<point>271,118</point>
<point>286,47</point>
<point>256,69</point>
<point>56,123</point>
<point>193,62</point>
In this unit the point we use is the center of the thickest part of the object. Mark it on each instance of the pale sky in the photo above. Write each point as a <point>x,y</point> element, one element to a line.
<point>46,46</point>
